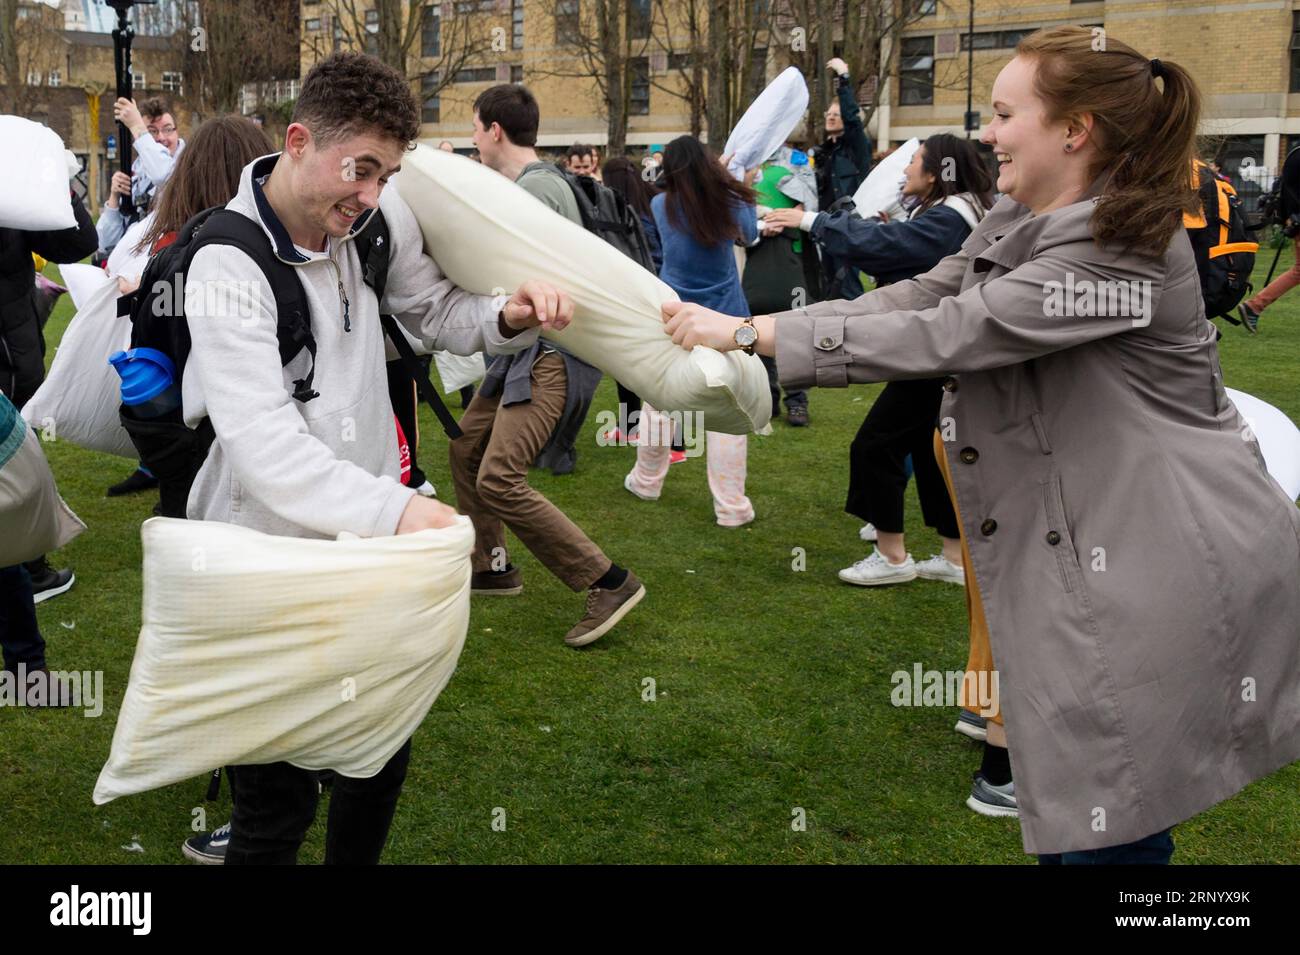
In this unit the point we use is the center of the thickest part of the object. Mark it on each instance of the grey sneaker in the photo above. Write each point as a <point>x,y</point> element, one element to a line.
<point>604,609</point>
<point>1249,317</point>
<point>972,725</point>
<point>208,848</point>
<point>989,800</point>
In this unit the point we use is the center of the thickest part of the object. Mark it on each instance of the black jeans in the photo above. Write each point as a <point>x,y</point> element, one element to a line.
<point>1153,850</point>
<point>274,805</point>
<point>20,637</point>
<point>901,422</point>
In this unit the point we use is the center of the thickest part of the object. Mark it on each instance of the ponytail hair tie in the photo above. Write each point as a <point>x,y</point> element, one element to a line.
<point>1157,69</point>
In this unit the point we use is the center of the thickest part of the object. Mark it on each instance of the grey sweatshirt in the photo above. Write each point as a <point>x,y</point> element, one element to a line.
<point>328,465</point>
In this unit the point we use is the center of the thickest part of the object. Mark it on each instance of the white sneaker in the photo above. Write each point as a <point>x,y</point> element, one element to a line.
<point>876,569</point>
<point>868,532</point>
<point>627,485</point>
<point>427,490</point>
<point>938,567</point>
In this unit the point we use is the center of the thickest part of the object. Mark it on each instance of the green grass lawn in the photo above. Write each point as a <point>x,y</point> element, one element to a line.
<point>772,684</point>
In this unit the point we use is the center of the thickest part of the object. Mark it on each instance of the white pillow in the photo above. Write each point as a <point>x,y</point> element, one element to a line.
<point>34,171</point>
<point>79,400</point>
<point>880,190</point>
<point>255,649</point>
<point>1279,439</point>
<point>488,235</point>
<point>768,122</point>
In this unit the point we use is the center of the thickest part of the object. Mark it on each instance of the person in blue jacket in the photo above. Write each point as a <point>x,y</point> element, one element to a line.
<point>951,190</point>
<point>701,213</point>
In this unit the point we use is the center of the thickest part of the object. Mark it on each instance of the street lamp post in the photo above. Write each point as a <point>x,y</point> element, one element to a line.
<point>122,36</point>
<point>970,72</point>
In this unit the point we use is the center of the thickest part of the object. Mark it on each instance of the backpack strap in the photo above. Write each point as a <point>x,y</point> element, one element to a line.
<point>374,248</point>
<point>422,382</point>
<point>293,320</point>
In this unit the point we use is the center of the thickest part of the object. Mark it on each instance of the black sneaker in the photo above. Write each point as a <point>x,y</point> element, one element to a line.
<point>797,416</point>
<point>138,481</point>
<point>48,582</point>
<point>208,848</point>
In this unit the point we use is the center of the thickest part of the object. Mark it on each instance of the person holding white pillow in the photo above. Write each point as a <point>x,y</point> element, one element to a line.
<point>700,215</point>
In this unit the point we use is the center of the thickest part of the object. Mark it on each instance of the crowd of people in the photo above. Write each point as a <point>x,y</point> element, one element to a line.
<point>1034,442</point>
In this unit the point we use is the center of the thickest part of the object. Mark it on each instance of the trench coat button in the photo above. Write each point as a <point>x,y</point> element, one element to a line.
<point>1053,538</point>
<point>826,344</point>
<point>988,527</point>
<point>950,385</point>
<point>969,455</point>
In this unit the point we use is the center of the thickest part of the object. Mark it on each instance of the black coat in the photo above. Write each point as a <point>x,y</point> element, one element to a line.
<point>22,347</point>
<point>842,163</point>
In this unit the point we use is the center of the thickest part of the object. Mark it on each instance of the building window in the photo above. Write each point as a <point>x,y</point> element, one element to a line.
<point>516,24</point>
<point>476,6</point>
<point>476,74</point>
<point>139,81</point>
<point>431,102</point>
<point>567,16</point>
<point>431,32</point>
<point>372,21</point>
<point>516,74</point>
<point>681,61</point>
<point>638,70</point>
<point>313,24</point>
<point>1295,52</point>
<point>33,76</point>
<point>56,79</point>
<point>923,8</point>
<point>638,19</point>
<point>916,71</point>
<point>173,82</point>
<point>996,39</point>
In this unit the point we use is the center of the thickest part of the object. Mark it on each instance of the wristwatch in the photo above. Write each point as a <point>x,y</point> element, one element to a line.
<point>746,336</point>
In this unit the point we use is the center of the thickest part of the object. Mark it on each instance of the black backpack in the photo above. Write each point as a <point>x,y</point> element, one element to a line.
<point>170,449</point>
<point>608,215</point>
<point>1224,254</point>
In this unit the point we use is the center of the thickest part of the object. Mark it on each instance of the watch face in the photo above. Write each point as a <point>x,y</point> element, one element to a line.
<point>746,335</point>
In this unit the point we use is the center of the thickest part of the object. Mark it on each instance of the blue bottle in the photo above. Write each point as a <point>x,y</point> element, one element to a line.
<point>149,386</point>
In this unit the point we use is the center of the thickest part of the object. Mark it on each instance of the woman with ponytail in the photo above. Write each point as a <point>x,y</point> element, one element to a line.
<point>1138,567</point>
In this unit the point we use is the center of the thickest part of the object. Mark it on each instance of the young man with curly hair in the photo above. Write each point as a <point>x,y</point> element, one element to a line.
<point>330,464</point>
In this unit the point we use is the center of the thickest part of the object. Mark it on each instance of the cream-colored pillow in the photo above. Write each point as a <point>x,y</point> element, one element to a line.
<point>256,649</point>
<point>489,236</point>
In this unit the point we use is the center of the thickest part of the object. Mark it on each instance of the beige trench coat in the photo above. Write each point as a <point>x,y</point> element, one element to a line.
<point>1139,568</point>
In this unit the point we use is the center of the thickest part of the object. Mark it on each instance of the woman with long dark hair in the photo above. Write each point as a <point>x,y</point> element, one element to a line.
<point>700,215</point>
<point>951,190</point>
<point>1138,565</point>
<point>206,174</point>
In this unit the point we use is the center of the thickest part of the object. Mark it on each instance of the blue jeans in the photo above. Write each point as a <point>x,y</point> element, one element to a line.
<point>1153,850</point>
<point>20,638</point>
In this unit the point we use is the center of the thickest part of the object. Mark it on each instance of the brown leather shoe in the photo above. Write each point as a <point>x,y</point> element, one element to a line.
<point>509,583</point>
<point>604,609</point>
